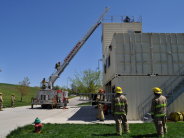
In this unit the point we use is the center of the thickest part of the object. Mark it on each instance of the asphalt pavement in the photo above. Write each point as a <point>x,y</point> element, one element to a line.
<point>11,118</point>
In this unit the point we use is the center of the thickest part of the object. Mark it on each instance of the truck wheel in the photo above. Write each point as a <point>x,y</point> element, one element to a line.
<point>49,106</point>
<point>43,106</point>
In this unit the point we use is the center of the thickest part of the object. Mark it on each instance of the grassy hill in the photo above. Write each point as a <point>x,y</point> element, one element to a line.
<point>8,89</point>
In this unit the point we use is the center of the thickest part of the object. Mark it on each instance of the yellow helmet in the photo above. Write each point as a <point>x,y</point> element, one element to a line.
<point>0,93</point>
<point>157,90</point>
<point>118,90</point>
<point>12,94</point>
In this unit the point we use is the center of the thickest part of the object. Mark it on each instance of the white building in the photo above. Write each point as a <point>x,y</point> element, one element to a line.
<point>137,62</point>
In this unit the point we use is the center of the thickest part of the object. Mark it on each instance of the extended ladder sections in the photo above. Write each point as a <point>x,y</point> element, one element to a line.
<point>74,51</point>
<point>91,97</point>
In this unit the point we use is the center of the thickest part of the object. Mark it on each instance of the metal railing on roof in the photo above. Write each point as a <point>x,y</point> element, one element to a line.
<point>120,19</point>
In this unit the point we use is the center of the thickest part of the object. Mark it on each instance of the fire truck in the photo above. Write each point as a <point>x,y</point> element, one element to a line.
<point>50,98</point>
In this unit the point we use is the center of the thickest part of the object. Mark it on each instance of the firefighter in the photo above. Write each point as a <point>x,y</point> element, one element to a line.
<point>158,111</point>
<point>13,100</point>
<point>1,101</point>
<point>44,83</point>
<point>100,114</point>
<point>127,19</point>
<point>57,65</point>
<point>119,109</point>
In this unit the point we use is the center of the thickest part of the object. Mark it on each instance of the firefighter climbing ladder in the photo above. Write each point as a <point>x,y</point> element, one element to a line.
<point>91,97</point>
<point>74,51</point>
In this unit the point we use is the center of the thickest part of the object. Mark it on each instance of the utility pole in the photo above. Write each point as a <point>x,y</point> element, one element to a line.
<point>0,68</point>
<point>98,64</point>
<point>67,83</point>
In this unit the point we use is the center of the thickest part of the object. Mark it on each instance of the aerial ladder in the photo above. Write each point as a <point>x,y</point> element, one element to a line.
<point>74,51</point>
<point>49,97</point>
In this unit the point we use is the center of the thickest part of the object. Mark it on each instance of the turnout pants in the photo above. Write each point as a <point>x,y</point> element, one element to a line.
<point>1,106</point>
<point>118,119</point>
<point>13,103</point>
<point>160,125</point>
<point>100,113</point>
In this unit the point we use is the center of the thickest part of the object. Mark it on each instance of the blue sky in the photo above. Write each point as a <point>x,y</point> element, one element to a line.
<point>35,34</point>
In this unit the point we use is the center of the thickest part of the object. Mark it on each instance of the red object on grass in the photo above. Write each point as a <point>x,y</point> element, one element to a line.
<point>38,126</point>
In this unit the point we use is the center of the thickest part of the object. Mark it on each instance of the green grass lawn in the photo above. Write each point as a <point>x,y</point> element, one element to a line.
<point>8,89</point>
<point>70,97</point>
<point>144,130</point>
<point>83,104</point>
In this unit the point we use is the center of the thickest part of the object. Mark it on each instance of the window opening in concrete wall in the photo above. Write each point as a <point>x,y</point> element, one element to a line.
<point>105,69</point>
<point>137,31</point>
<point>109,61</point>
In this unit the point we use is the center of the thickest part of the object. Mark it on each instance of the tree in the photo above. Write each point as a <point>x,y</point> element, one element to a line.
<point>23,87</point>
<point>57,87</point>
<point>73,88</point>
<point>64,88</point>
<point>88,81</point>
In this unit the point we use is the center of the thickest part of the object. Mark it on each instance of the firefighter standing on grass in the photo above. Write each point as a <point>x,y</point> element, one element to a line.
<point>119,109</point>
<point>13,100</point>
<point>1,101</point>
<point>100,114</point>
<point>158,111</point>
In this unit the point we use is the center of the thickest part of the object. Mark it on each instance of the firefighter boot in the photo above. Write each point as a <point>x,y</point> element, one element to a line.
<point>127,132</point>
<point>119,133</point>
<point>102,119</point>
<point>161,136</point>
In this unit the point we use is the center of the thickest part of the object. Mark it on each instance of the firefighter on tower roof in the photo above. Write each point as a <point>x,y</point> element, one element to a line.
<point>119,109</point>
<point>127,19</point>
<point>57,65</point>
<point>1,101</point>
<point>158,111</point>
<point>13,100</point>
<point>100,114</point>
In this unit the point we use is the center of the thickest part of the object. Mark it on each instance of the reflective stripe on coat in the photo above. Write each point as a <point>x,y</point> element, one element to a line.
<point>1,99</point>
<point>158,106</point>
<point>119,104</point>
